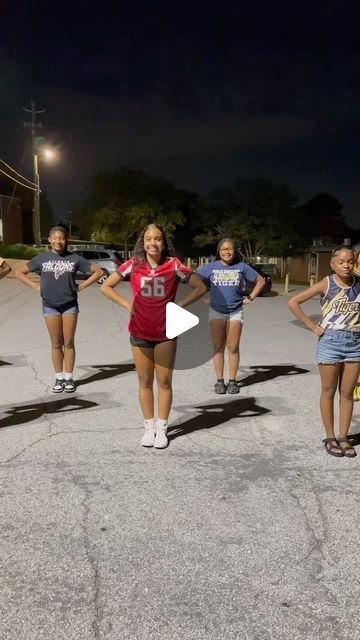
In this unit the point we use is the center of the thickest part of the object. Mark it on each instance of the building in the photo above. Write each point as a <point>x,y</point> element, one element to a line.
<point>11,222</point>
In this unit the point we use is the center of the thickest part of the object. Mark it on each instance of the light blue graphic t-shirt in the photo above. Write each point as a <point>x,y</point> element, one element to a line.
<point>226,284</point>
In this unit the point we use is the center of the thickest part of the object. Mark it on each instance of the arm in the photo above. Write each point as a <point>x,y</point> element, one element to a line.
<point>4,268</point>
<point>96,273</point>
<point>22,274</point>
<point>199,289</point>
<point>294,305</point>
<point>108,289</point>
<point>259,283</point>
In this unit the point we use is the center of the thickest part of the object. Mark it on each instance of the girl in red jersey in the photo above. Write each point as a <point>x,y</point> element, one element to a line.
<point>154,275</point>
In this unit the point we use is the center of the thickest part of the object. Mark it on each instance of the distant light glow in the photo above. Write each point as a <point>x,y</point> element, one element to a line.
<point>49,154</point>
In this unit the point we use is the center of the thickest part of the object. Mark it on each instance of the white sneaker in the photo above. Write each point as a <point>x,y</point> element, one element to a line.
<point>161,440</point>
<point>148,438</point>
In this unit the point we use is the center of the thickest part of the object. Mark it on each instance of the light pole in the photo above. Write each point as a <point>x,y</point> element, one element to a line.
<point>36,207</point>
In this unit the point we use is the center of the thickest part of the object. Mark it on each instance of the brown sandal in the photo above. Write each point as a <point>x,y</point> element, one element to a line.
<point>348,451</point>
<point>332,447</point>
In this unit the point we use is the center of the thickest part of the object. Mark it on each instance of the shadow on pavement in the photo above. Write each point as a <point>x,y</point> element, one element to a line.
<point>3,363</point>
<point>105,371</point>
<point>28,412</point>
<point>268,372</point>
<point>213,415</point>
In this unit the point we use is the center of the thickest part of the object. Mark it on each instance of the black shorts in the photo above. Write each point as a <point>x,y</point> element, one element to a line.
<point>146,344</point>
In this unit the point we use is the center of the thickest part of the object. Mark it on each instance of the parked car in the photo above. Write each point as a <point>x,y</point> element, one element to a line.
<point>267,286</point>
<point>107,259</point>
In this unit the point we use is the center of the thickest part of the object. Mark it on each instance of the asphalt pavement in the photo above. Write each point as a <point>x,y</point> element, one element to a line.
<point>243,528</point>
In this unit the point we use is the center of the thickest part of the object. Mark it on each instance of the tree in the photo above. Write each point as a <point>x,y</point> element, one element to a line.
<point>322,217</point>
<point>116,225</point>
<point>253,212</point>
<point>123,201</point>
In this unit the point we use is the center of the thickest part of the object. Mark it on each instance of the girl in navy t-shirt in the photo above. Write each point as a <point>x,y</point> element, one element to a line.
<point>57,269</point>
<point>225,278</point>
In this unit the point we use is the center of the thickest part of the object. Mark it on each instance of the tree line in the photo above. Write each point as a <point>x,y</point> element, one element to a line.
<point>263,216</point>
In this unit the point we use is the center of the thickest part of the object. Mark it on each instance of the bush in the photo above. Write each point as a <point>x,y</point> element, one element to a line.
<point>20,251</point>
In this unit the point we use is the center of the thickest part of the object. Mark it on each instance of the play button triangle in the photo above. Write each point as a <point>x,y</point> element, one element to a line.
<point>178,320</point>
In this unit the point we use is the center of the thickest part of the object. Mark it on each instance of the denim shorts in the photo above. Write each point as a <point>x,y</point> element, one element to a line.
<point>69,307</point>
<point>338,346</point>
<point>233,316</point>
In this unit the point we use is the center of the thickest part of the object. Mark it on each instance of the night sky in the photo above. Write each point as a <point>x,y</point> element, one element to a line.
<point>197,92</point>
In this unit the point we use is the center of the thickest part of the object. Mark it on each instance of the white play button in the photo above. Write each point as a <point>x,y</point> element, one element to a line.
<point>178,320</point>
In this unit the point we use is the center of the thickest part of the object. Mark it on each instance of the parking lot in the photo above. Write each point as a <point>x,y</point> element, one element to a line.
<point>242,529</point>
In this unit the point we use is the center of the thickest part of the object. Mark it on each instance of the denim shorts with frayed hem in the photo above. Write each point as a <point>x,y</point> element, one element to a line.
<point>69,307</point>
<point>338,346</point>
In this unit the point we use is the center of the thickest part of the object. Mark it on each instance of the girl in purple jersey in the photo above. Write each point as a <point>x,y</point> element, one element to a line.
<point>338,350</point>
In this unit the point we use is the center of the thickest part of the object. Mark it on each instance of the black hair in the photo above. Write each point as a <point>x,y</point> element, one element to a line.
<point>59,227</point>
<point>341,247</point>
<point>236,257</point>
<point>139,251</point>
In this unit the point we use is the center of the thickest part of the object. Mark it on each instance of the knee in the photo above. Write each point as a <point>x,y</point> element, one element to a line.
<point>57,343</point>
<point>164,383</point>
<point>69,343</point>
<point>346,394</point>
<point>328,393</point>
<point>219,348</point>
<point>233,348</point>
<point>145,381</point>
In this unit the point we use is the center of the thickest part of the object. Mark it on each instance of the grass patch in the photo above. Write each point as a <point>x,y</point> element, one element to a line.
<point>21,251</point>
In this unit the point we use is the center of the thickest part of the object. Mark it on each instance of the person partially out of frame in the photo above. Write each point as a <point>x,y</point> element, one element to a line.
<point>338,347</point>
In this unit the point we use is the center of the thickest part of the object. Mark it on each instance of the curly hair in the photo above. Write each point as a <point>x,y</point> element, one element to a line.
<point>139,251</point>
<point>236,257</point>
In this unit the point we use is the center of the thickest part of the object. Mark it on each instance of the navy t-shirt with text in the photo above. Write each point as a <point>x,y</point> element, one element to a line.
<point>57,276</point>
<point>226,283</point>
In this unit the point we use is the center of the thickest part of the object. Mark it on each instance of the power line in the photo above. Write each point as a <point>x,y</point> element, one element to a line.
<point>14,187</point>
<point>18,174</point>
<point>18,182</point>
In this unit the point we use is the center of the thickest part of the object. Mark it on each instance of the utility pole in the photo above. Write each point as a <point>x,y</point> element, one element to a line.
<point>36,208</point>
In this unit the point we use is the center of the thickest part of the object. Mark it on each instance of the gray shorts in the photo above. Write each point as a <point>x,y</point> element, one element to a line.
<point>232,316</point>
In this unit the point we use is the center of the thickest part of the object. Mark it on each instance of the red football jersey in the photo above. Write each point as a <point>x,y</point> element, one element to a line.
<point>152,290</point>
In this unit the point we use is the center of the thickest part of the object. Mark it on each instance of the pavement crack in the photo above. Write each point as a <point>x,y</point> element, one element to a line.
<point>80,484</point>
<point>28,447</point>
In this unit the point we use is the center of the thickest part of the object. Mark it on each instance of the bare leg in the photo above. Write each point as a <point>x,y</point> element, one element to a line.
<point>232,344</point>
<point>144,363</point>
<point>55,330</point>
<point>164,357</point>
<point>329,375</point>
<point>348,381</point>
<point>218,336</point>
<point>69,322</point>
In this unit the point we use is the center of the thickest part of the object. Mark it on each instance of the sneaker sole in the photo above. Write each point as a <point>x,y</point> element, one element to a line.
<point>57,390</point>
<point>69,390</point>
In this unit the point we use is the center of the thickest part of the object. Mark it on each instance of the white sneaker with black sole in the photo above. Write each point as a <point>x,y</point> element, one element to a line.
<point>69,385</point>
<point>58,386</point>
